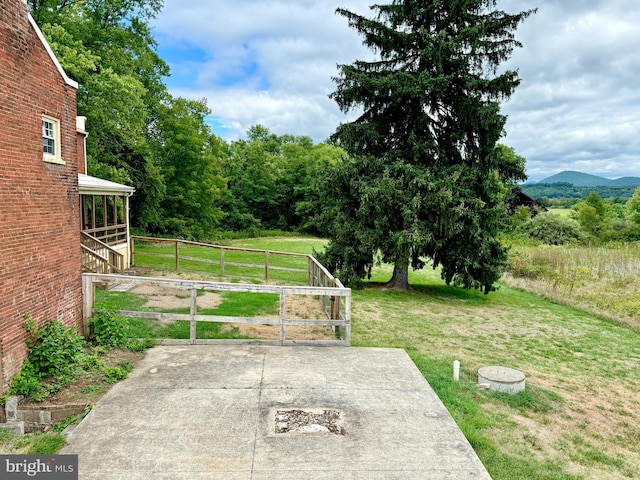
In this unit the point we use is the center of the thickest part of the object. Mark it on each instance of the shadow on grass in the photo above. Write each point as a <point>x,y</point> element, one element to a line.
<point>433,290</point>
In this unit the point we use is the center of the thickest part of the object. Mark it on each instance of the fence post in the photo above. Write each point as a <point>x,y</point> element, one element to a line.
<point>88,298</point>
<point>132,249</point>
<point>347,318</point>
<point>192,312</point>
<point>222,262</point>
<point>282,316</point>
<point>335,308</point>
<point>266,266</point>
<point>177,255</point>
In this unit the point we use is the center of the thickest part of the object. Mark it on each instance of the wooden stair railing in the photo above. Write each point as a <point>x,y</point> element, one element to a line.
<point>98,257</point>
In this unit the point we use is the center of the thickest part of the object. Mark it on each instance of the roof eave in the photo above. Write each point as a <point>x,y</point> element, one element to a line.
<point>65,77</point>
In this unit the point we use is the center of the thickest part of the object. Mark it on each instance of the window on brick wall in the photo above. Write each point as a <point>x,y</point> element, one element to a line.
<point>51,140</point>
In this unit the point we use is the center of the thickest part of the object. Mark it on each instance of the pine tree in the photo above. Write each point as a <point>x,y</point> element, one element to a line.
<point>427,180</point>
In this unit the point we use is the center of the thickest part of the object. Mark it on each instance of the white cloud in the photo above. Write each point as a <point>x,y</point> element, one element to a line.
<point>272,62</point>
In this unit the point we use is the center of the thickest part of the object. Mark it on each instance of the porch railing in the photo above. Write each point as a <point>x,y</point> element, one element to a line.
<point>98,257</point>
<point>111,235</point>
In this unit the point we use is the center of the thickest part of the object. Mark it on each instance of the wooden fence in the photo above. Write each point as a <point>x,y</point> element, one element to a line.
<point>336,300</point>
<point>265,267</point>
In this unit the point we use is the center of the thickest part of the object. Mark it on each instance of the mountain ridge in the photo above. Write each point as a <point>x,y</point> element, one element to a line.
<point>580,179</point>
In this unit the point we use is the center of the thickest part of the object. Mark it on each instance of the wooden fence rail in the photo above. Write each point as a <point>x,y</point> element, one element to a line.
<point>99,257</point>
<point>266,267</point>
<point>336,317</point>
<point>317,274</point>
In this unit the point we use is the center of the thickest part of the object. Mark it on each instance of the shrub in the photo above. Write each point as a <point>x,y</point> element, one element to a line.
<point>554,230</point>
<point>53,348</point>
<point>108,330</point>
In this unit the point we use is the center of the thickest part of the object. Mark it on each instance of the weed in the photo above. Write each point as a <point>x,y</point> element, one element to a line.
<point>108,330</point>
<point>140,345</point>
<point>91,362</point>
<point>93,389</point>
<point>71,419</point>
<point>64,423</point>
<point>53,348</point>
<point>115,374</point>
<point>46,444</point>
<point>26,382</point>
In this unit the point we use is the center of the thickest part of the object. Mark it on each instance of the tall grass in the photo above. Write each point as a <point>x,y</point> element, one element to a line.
<point>603,280</point>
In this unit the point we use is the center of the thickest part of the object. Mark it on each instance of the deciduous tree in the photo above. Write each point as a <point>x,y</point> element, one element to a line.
<point>190,158</point>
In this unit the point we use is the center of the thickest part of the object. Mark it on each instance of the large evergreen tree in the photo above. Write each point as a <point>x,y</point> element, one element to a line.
<point>426,179</point>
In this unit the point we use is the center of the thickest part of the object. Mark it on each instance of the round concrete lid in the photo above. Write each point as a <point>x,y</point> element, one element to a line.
<point>501,374</point>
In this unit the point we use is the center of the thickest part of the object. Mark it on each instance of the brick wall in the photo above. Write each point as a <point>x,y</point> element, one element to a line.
<point>40,265</point>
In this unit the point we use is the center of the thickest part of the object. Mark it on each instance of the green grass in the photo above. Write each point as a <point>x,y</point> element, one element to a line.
<point>146,255</point>
<point>245,304</point>
<point>234,304</point>
<point>39,443</point>
<point>563,212</point>
<point>580,414</point>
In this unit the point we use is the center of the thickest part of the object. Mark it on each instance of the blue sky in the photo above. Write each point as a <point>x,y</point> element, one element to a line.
<point>271,63</point>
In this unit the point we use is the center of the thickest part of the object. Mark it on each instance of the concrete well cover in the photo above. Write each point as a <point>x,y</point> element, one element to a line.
<point>502,379</point>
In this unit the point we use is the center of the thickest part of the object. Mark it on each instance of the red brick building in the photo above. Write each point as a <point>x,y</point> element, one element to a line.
<point>40,255</point>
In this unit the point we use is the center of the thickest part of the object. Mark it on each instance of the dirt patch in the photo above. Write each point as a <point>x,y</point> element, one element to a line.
<point>302,307</point>
<point>161,296</point>
<point>89,388</point>
<point>292,332</point>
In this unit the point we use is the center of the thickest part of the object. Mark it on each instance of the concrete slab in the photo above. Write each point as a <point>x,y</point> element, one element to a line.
<point>209,412</point>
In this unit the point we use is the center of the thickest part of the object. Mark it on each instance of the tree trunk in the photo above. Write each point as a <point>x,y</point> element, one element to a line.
<point>400,278</point>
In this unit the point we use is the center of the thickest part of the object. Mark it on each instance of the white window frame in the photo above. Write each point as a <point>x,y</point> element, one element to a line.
<point>54,136</point>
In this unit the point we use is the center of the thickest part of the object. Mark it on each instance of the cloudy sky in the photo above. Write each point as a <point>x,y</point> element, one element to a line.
<point>271,63</point>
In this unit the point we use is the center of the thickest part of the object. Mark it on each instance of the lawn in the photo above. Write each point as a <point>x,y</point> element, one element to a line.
<point>579,417</point>
<point>580,414</point>
<point>161,257</point>
<point>563,212</point>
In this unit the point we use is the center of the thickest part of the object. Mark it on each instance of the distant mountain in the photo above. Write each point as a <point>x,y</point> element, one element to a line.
<point>626,181</point>
<point>580,179</point>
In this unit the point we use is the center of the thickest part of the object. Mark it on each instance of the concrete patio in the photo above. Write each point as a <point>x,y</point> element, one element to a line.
<point>209,412</point>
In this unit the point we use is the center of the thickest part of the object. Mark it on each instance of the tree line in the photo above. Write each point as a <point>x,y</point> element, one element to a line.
<point>591,220</point>
<point>189,182</point>
<point>564,194</point>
